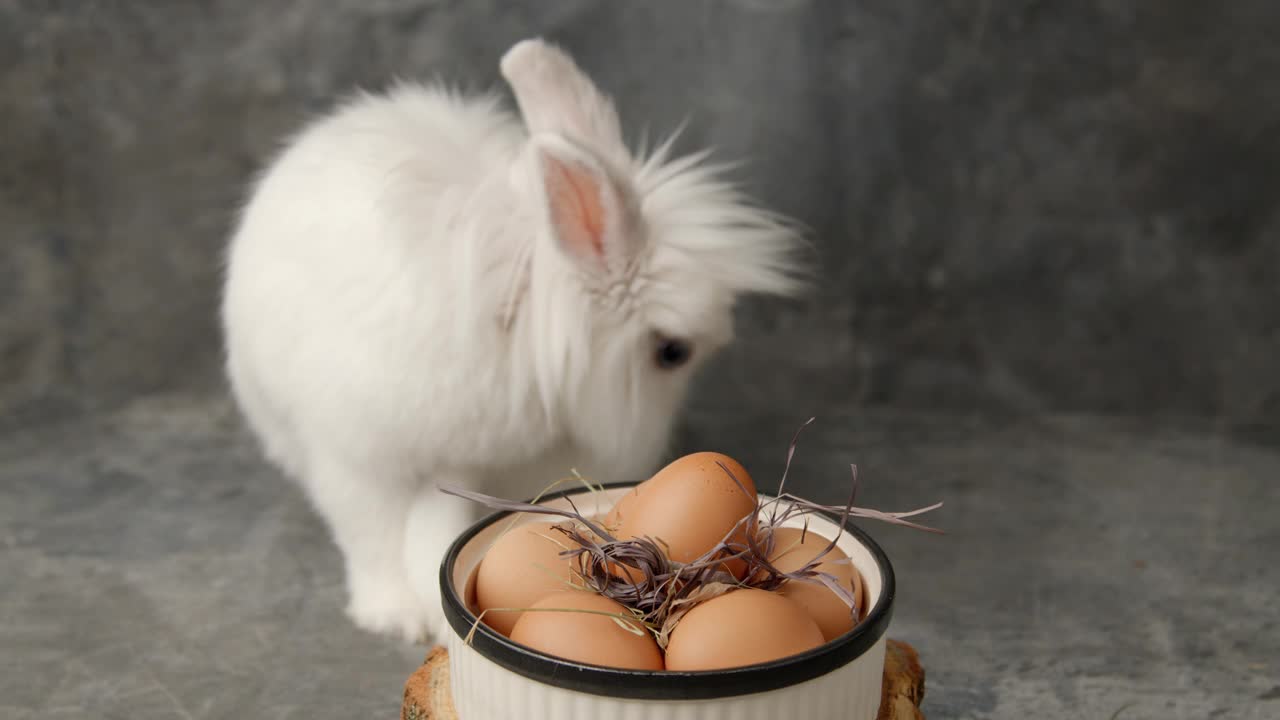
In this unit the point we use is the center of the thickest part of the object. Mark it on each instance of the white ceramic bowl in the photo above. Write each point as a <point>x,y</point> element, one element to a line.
<point>495,679</point>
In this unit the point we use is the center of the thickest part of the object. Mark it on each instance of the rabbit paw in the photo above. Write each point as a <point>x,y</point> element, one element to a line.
<point>392,608</point>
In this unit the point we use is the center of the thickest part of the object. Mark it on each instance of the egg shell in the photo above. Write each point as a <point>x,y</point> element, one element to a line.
<point>741,627</point>
<point>690,505</point>
<point>585,637</point>
<point>789,554</point>
<point>522,567</point>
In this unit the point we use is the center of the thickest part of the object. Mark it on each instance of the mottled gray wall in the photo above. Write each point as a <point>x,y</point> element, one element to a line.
<point>1017,204</point>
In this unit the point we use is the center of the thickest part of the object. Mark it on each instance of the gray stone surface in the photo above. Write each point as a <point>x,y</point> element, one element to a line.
<point>1017,204</point>
<point>154,568</point>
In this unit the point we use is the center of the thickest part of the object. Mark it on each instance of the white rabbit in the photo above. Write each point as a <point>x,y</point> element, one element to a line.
<point>423,290</point>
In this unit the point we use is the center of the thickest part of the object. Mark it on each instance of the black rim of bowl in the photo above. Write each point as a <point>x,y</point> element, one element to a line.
<point>665,684</point>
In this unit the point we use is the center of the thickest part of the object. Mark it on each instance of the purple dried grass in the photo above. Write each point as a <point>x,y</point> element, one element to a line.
<point>664,590</point>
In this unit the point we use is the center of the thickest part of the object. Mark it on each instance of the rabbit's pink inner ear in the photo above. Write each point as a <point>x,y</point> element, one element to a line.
<point>580,201</point>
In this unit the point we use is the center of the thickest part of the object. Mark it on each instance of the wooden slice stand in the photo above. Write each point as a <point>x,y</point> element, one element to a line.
<point>426,694</point>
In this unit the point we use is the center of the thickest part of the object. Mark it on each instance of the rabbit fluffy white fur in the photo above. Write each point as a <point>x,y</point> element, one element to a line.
<point>423,289</point>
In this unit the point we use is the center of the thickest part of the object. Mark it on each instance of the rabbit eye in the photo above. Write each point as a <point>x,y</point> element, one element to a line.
<point>672,353</point>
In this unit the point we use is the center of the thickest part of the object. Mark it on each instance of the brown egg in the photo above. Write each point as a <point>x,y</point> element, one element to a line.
<point>586,637</point>
<point>610,521</point>
<point>521,568</point>
<point>690,505</point>
<point>824,606</point>
<point>741,627</point>
<point>861,594</point>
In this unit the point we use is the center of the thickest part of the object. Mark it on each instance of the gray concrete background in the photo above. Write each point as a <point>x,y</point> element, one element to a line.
<point>1017,204</point>
<point>1050,297</point>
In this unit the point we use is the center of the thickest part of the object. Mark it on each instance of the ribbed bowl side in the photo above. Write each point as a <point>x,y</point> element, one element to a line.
<point>484,690</point>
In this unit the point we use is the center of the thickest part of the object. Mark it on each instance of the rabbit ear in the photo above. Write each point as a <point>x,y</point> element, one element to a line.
<point>589,211</point>
<point>556,97</point>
